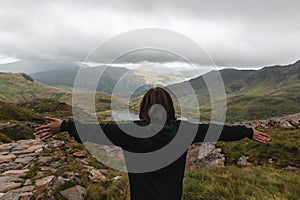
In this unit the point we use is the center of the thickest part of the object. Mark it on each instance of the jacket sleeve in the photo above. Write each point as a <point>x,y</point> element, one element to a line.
<point>215,132</point>
<point>108,134</point>
<point>96,133</point>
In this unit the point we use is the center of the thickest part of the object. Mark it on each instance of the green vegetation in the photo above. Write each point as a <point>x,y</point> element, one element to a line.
<point>15,88</point>
<point>236,183</point>
<point>12,112</point>
<point>283,149</point>
<point>10,134</point>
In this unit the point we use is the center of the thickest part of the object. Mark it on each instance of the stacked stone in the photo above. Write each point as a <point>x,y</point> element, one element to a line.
<point>285,122</point>
<point>31,168</point>
<point>15,163</point>
<point>204,155</point>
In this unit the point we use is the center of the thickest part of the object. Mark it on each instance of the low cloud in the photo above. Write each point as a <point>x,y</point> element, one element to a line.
<point>234,33</point>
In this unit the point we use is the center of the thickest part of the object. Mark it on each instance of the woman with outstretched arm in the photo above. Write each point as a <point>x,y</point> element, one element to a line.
<point>160,184</point>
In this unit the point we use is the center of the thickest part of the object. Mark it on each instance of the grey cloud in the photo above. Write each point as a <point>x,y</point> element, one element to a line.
<point>263,32</point>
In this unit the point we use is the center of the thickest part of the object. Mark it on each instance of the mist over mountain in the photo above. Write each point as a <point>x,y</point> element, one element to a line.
<point>109,77</point>
<point>34,66</point>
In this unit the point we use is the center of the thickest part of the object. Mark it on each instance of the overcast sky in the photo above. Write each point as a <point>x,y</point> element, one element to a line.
<point>237,33</point>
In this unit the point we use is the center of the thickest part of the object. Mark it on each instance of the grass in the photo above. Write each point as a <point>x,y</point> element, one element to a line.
<point>12,112</point>
<point>231,182</point>
<point>283,149</point>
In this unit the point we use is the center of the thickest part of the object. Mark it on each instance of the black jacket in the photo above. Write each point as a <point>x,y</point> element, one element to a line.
<point>165,183</point>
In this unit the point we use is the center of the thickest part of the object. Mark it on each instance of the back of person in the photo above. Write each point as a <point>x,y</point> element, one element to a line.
<point>163,184</point>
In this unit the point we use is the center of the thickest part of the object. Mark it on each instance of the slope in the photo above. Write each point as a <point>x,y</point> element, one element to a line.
<point>250,94</point>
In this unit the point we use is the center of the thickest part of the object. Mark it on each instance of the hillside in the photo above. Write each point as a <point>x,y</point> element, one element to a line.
<point>21,88</point>
<point>251,94</point>
<point>65,77</point>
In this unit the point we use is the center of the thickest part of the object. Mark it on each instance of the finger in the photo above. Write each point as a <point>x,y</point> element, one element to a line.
<point>255,126</point>
<point>260,140</point>
<point>52,119</point>
<point>37,133</point>
<point>40,131</point>
<point>39,128</point>
<point>42,127</point>
<point>265,139</point>
<point>264,134</point>
<point>46,136</point>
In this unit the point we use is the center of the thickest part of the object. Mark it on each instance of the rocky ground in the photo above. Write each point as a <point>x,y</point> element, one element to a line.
<point>28,173</point>
<point>207,155</point>
<point>286,122</point>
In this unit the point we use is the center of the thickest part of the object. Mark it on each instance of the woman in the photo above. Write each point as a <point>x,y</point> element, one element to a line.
<point>165,183</point>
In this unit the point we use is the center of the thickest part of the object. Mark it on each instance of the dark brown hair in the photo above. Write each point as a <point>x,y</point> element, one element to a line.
<point>161,97</point>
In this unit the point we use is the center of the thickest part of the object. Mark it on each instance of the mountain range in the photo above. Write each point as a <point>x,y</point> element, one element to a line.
<point>250,94</point>
<point>127,80</point>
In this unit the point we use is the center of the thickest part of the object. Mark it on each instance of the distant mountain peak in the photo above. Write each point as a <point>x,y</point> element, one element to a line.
<point>297,63</point>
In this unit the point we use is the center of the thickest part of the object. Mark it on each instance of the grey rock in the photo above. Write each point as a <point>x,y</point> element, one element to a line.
<point>243,161</point>
<point>74,193</point>
<point>96,176</point>
<point>71,176</point>
<point>24,151</point>
<point>4,152</point>
<point>4,187</point>
<point>5,147</point>
<point>45,160</point>
<point>28,155</point>
<point>9,178</point>
<point>287,122</point>
<point>35,147</point>
<point>55,164</point>
<point>16,172</point>
<point>43,183</point>
<point>7,158</point>
<point>10,166</point>
<point>59,181</point>
<point>16,196</point>
<point>27,182</point>
<point>19,148</point>
<point>204,155</point>
<point>24,160</point>
<point>23,189</point>
<point>291,168</point>
<point>116,178</point>
<point>56,143</point>
<point>9,196</point>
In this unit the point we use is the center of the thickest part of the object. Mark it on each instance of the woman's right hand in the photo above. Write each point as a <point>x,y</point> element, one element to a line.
<point>260,136</point>
<point>48,130</point>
